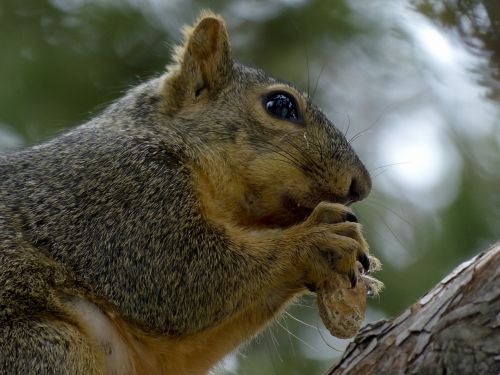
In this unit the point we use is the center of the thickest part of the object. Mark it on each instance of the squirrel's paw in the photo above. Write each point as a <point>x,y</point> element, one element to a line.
<point>333,242</point>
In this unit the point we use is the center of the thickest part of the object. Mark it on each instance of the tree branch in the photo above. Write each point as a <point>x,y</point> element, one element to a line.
<point>453,329</point>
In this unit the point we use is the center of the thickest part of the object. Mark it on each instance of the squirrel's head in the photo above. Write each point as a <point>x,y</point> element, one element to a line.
<point>268,155</point>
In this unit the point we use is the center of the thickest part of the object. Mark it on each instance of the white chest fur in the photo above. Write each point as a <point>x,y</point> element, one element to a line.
<point>101,330</point>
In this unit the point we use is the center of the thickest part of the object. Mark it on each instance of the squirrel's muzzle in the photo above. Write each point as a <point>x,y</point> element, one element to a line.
<point>361,185</point>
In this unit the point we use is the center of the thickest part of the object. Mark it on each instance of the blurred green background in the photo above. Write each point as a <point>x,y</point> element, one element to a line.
<point>414,84</point>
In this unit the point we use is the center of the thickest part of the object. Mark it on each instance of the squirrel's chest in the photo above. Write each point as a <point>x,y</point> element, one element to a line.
<point>127,351</point>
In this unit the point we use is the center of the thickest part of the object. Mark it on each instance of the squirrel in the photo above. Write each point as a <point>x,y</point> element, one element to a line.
<point>175,225</point>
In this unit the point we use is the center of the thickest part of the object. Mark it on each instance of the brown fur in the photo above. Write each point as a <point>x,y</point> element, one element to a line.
<point>174,226</point>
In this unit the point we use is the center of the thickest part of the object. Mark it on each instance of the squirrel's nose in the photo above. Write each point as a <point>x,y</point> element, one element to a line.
<point>361,185</point>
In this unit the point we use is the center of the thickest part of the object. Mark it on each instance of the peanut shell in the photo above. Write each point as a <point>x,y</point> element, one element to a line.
<point>341,306</point>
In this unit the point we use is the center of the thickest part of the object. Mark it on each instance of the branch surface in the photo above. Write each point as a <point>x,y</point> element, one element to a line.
<point>453,329</point>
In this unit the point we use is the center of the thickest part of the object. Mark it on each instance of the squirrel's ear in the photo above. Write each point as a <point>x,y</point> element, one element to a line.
<point>202,63</point>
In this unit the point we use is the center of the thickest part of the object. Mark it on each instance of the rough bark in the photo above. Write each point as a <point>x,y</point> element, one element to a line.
<point>453,329</point>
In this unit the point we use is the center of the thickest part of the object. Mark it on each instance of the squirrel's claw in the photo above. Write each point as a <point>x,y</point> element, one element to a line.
<point>311,287</point>
<point>353,278</point>
<point>365,262</point>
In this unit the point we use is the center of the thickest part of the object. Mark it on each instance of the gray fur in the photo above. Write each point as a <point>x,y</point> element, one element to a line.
<point>108,210</point>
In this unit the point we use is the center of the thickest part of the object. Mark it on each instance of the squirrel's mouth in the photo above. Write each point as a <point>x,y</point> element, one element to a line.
<point>291,212</point>
<point>299,212</point>
<point>296,209</point>
<point>290,208</point>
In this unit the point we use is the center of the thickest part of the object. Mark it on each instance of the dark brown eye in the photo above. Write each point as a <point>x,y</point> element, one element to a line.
<point>281,105</point>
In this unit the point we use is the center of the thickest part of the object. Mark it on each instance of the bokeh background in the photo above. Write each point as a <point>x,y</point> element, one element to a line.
<point>415,85</point>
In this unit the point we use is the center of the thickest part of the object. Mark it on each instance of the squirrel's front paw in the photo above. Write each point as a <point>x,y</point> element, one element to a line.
<point>332,241</point>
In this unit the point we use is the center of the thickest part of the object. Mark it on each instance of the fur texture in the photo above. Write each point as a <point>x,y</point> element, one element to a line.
<point>182,219</point>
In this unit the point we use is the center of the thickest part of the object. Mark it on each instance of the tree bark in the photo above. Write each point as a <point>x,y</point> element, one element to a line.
<point>453,329</point>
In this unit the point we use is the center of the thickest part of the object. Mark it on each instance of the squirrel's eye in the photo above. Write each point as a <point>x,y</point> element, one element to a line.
<point>281,105</point>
